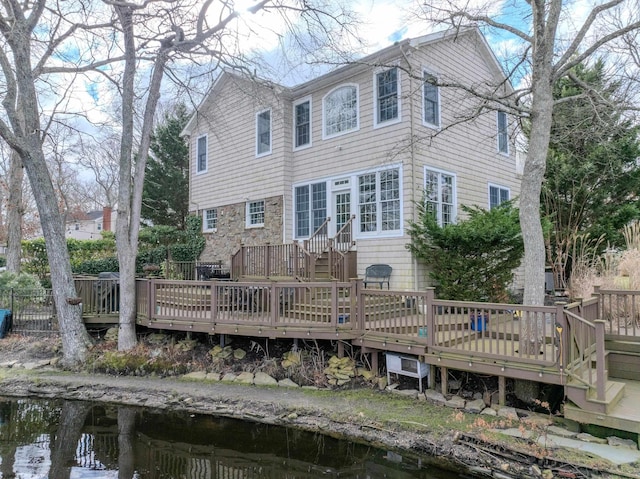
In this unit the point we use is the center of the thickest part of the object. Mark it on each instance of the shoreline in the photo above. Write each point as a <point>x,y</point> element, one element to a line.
<point>357,415</point>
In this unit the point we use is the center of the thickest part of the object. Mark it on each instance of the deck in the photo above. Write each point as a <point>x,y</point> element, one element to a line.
<point>566,345</point>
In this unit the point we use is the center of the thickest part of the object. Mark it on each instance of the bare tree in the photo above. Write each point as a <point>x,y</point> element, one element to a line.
<point>163,33</point>
<point>100,158</point>
<point>27,79</point>
<point>546,54</point>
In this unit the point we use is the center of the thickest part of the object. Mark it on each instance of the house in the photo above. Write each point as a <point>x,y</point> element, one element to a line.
<point>89,225</point>
<point>270,164</point>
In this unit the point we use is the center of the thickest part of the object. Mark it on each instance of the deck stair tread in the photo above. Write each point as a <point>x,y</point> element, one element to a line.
<point>623,415</point>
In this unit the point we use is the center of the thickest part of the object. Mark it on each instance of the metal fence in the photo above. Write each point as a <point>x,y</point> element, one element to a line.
<point>33,311</point>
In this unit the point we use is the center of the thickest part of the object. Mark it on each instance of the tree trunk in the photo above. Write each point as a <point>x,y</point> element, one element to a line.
<point>15,210</point>
<point>544,23</point>
<point>27,142</point>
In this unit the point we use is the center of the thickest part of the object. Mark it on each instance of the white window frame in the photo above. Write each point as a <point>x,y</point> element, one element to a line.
<point>266,152</point>
<point>502,135</point>
<point>376,110</point>
<point>500,189</point>
<point>295,124</point>
<point>426,73</point>
<point>311,218</point>
<point>378,232</point>
<point>454,193</point>
<point>248,214</point>
<point>205,220</point>
<point>326,135</point>
<point>200,171</point>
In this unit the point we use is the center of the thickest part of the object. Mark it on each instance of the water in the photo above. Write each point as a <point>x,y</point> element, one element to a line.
<point>75,440</point>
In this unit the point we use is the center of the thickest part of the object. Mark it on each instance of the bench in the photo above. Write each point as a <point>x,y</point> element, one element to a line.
<point>377,274</point>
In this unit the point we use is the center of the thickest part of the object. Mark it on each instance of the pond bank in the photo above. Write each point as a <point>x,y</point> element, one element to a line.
<point>454,439</point>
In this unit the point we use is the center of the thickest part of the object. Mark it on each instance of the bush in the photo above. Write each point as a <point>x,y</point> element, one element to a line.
<point>472,260</point>
<point>20,289</point>
<point>3,261</point>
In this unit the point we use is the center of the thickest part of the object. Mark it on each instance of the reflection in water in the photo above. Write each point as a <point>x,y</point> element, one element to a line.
<point>77,440</point>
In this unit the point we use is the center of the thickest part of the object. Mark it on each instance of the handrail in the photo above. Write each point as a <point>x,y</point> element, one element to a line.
<point>346,231</point>
<point>319,240</point>
<point>585,339</point>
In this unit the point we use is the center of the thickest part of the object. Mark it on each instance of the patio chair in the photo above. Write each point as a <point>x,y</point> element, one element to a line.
<point>377,274</point>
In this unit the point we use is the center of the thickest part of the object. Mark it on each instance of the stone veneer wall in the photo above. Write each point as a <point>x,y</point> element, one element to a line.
<point>232,233</point>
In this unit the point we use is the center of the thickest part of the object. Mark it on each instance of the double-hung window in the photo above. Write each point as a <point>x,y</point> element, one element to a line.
<point>497,195</point>
<point>379,201</point>
<point>340,110</point>
<point>210,220</point>
<point>263,133</point>
<point>387,98</point>
<point>440,195</point>
<point>310,208</point>
<point>302,123</point>
<point>201,154</point>
<point>503,133</point>
<point>255,213</point>
<point>431,101</point>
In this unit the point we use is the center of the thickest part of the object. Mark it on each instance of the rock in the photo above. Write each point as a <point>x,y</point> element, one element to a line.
<point>36,364</point>
<point>239,354</point>
<point>508,412</point>
<point>454,385</point>
<point>535,471</point>
<point>245,377</point>
<point>155,338</point>
<point>476,406</point>
<point>547,474</point>
<point>624,443</point>
<point>583,436</point>
<point>187,345</point>
<point>196,376</point>
<point>229,377</point>
<point>55,361</point>
<point>365,374</point>
<point>8,364</point>
<point>287,383</point>
<point>489,411</point>
<point>263,379</point>
<point>292,416</point>
<point>393,386</point>
<point>422,397</point>
<point>213,377</point>
<point>455,402</point>
<point>382,383</point>
<point>410,393</point>
<point>560,431</point>
<point>434,396</point>
<point>112,334</point>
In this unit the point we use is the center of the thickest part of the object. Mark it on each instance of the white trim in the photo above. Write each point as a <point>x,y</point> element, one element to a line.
<point>295,104</point>
<point>204,220</point>
<point>206,166</point>
<point>500,187</point>
<point>454,193</point>
<point>376,113</point>
<point>425,72</point>
<point>506,132</point>
<point>247,222</point>
<point>332,91</point>
<point>268,152</point>
<point>353,189</point>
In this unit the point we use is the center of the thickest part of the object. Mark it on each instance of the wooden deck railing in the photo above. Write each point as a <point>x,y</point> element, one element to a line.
<point>620,309</point>
<point>319,240</point>
<point>585,346</point>
<point>266,261</point>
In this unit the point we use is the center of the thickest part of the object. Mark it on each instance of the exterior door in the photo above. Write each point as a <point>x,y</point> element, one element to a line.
<point>342,211</point>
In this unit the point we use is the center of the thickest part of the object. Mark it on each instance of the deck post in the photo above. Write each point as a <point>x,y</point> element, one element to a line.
<point>431,327</point>
<point>334,303</point>
<point>502,390</point>
<point>444,380</point>
<point>152,299</point>
<point>600,359</point>
<point>432,377</point>
<point>340,349</point>
<point>275,306</point>
<point>375,368</point>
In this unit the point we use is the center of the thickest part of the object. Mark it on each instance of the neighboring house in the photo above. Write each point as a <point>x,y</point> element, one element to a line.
<point>90,225</point>
<point>269,164</point>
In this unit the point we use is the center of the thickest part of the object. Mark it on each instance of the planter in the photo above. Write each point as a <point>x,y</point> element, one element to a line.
<point>479,322</point>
